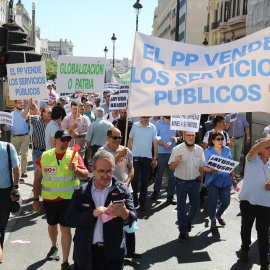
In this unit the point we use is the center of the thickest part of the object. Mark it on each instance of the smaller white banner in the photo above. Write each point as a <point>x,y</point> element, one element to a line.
<point>118,102</point>
<point>233,117</point>
<point>221,164</point>
<point>6,118</point>
<point>185,122</point>
<point>67,108</point>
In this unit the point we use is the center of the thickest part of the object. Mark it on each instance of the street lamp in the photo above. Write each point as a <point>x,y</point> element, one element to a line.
<point>113,40</point>
<point>205,42</point>
<point>137,8</point>
<point>105,52</point>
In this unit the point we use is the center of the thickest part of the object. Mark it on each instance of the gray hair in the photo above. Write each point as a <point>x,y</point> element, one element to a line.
<point>99,112</point>
<point>102,154</point>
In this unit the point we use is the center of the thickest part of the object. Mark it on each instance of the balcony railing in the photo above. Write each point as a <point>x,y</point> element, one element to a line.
<point>215,25</point>
<point>206,28</point>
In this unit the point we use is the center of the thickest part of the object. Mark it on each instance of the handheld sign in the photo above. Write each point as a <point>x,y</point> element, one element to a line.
<point>6,118</point>
<point>118,102</point>
<point>67,108</point>
<point>27,80</point>
<point>84,74</point>
<point>221,164</point>
<point>190,122</point>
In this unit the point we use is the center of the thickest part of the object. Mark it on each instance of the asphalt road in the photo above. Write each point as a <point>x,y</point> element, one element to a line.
<point>156,239</point>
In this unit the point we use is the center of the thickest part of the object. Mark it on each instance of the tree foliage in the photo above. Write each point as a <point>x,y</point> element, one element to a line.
<point>51,69</point>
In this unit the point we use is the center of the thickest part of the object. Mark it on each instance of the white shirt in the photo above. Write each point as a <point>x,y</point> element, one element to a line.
<point>188,168</point>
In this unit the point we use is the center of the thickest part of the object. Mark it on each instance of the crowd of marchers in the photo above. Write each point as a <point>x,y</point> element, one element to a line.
<point>125,155</point>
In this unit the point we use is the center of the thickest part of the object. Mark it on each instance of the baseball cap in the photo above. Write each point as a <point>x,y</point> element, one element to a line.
<point>61,133</point>
<point>62,99</point>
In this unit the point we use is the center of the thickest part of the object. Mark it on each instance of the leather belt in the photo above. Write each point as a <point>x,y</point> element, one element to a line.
<point>237,138</point>
<point>20,134</point>
<point>99,244</point>
<point>41,150</point>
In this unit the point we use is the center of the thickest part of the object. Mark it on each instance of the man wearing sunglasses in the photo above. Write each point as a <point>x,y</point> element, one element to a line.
<point>141,136</point>
<point>39,123</point>
<point>59,177</point>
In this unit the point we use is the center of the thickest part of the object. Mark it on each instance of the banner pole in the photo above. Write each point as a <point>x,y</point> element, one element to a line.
<point>78,106</point>
<point>125,145</point>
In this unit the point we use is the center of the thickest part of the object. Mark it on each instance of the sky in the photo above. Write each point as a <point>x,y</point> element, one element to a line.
<point>90,24</point>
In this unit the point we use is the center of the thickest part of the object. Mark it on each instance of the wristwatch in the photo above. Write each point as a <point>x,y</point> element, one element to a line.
<point>16,186</point>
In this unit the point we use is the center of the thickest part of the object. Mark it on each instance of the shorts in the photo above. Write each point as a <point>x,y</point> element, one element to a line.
<point>56,212</point>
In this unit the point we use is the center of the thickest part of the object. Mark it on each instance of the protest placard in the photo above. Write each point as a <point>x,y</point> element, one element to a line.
<point>80,74</point>
<point>6,118</point>
<point>190,122</point>
<point>178,78</point>
<point>221,164</point>
<point>67,108</point>
<point>27,80</point>
<point>233,117</point>
<point>124,89</point>
<point>118,102</point>
<point>121,78</point>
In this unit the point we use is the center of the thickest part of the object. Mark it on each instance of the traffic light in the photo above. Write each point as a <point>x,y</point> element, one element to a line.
<point>3,52</point>
<point>17,45</point>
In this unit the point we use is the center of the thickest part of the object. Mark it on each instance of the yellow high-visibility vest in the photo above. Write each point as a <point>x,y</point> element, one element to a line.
<point>57,180</point>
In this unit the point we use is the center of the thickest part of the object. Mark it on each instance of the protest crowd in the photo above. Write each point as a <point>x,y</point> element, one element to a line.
<point>72,137</point>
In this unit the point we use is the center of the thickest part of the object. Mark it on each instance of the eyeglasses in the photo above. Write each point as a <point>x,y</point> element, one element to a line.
<point>219,139</point>
<point>190,136</point>
<point>65,139</point>
<point>267,148</point>
<point>49,112</point>
<point>102,172</point>
<point>116,137</point>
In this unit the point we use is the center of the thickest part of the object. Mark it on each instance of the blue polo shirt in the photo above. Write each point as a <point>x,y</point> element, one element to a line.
<point>163,130</point>
<point>20,127</point>
<point>4,179</point>
<point>220,179</point>
<point>97,132</point>
<point>142,139</point>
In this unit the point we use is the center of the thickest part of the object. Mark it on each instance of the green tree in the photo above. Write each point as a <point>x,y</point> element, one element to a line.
<point>51,69</point>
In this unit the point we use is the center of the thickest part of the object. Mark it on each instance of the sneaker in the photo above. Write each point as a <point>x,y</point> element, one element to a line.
<point>52,255</point>
<point>24,175</point>
<point>221,221</point>
<point>171,200</point>
<point>244,256</point>
<point>133,255</point>
<point>65,266</point>
<point>182,237</point>
<point>214,229</point>
<point>154,195</point>
<point>238,176</point>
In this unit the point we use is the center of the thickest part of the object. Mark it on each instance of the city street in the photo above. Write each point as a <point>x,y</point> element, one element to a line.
<point>156,238</point>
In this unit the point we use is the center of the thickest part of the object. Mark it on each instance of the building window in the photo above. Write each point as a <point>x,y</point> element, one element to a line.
<point>245,7</point>
<point>221,11</point>
<point>230,13</point>
<point>233,8</point>
<point>238,7</point>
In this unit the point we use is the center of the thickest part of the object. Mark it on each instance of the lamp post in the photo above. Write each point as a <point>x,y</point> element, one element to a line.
<point>205,42</point>
<point>113,40</point>
<point>105,52</point>
<point>137,8</point>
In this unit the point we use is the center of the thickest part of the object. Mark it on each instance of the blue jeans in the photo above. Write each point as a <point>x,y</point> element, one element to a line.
<point>36,155</point>
<point>184,188</point>
<point>162,165</point>
<point>225,198</point>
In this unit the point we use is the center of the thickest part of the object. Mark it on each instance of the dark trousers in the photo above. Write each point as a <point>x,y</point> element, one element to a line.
<point>5,204</point>
<point>94,150</point>
<point>130,242</point>
<point>99,262</point>
<point>249,213</point>
<point>142,169</point>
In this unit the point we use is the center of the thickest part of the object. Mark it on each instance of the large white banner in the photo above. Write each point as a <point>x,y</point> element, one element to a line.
<point>27,80</point>
<point>80,74</point>
<point>171,77</point>
<point>123,78</point>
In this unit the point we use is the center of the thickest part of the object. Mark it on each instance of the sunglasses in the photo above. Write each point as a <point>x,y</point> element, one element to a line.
<point>117,138</point>
<point>65,139</point>
<point>220,139</point>
<point>49,112</point>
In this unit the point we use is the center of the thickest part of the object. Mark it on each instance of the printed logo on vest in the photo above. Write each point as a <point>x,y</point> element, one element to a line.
<point>50,170</point>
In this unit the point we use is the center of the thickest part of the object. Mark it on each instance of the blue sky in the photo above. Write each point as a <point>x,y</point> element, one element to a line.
<point>90,24</point>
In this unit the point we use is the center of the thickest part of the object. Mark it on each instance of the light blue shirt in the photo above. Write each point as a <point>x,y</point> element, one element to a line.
<point>142,139</point>
<point>50,130</point>
<point>99,197</point>
<point>106,108</point>
<point>220,179</point>
<point>20,127</point>
<point>163,130</point>
<point>256,176</point>
<point>97,132</point>
<point>4,179</point>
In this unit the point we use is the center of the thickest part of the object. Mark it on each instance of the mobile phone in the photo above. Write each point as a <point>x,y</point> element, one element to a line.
<point>120,202</point>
